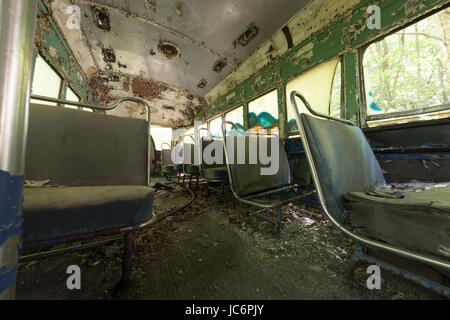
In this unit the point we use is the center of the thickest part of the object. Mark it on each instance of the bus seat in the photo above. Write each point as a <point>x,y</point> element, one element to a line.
<point>215,172</point>
<point>343,158</point>
<point>167,159</point>
<point>64,212</point>
<point>247,178</point>
<point>355,191</point>
<point>168,166</point>
<point>96,166</point>
<point>251,187</point>
<point>190,168</point>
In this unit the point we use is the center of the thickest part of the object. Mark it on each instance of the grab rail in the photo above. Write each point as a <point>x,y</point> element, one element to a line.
<point>312,111</point>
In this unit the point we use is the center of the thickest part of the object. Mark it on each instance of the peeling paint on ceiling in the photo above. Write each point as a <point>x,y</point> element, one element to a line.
<point>117,47</point>
<point>313,17</point>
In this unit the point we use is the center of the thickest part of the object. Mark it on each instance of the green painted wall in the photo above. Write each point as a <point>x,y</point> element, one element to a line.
<point>342,37</point>
<point>52,46</point>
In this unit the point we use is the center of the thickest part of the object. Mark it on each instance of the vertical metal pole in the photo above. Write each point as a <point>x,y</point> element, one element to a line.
<point>17,28</point>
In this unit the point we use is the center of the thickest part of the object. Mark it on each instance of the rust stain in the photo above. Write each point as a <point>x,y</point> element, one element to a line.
<point>100,84</point>
<point>126,84</point>
<point>148,89</point>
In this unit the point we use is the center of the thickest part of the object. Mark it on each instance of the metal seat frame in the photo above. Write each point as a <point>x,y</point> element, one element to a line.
<point>287,193</point>
<point>433,261</point>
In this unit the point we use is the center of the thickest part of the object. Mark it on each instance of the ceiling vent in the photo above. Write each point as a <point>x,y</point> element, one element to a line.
<point>169,50</point>
<point>202,84</point>
<point>219,65</point>
<point>101,18</point>
<point>248,35</point>
<point>109,55</point>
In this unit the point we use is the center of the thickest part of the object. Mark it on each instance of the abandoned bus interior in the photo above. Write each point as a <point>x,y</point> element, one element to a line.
<point>225,150</point>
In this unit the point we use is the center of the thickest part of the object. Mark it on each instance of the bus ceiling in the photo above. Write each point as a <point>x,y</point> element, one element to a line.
<point>170,53</point>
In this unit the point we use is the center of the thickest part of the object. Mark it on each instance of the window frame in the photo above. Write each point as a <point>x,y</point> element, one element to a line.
<point>265,92</point>
<point>62,82</point>
<point>393,116</point>
<point>340,57</point>
<point>63,85</point>
<point>224,119</point>
<point>221,116</point>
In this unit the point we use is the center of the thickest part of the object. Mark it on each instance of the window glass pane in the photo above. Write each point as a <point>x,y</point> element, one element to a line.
<point>189,132</point>
<point>203,133</point>
<point>409,70</point>
<point>336,93</point>
<point>161,135</point>
<point>215,126</point>
<point>87,109</point>
<point>71,96</point>
<point>263,112</point>
<point>315,86</point>
<point>237,117</point>
<point>46,82</point>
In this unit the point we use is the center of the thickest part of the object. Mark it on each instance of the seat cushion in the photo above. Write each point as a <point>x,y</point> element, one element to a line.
<point>168,168</point>
<point>191,169</point>
<point>217,173</point>
<point>343,159</point>
<point>418,220</point>
<point>54,212</point>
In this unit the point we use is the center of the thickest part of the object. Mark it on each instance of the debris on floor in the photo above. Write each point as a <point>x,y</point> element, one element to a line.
<point>211,251</point>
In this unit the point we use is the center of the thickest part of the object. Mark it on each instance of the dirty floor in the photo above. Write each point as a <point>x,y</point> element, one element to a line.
<point>210,251</point>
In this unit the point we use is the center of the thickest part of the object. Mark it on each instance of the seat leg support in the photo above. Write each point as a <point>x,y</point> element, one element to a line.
<point>128,250</point>
<point>275,221</point>
<point>360,256</point>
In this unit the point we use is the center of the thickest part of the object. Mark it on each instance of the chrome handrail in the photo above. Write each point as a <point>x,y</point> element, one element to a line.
<point>373,243</point>
<point>106,108</point>
<point>313,112</point>
<point>166,144</point>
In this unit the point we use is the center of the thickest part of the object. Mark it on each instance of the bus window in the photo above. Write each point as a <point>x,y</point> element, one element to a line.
<point>203,133</point>
<point>189,132</point>
<point>315,85</point>
<point>237,117</point>
<point>46,82</point>
<point>406,74</point>
<point>71,96</point>
<point>336,93</point>
<point>161,135</point>
<point>215,127</point>
<point>263,112</point>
